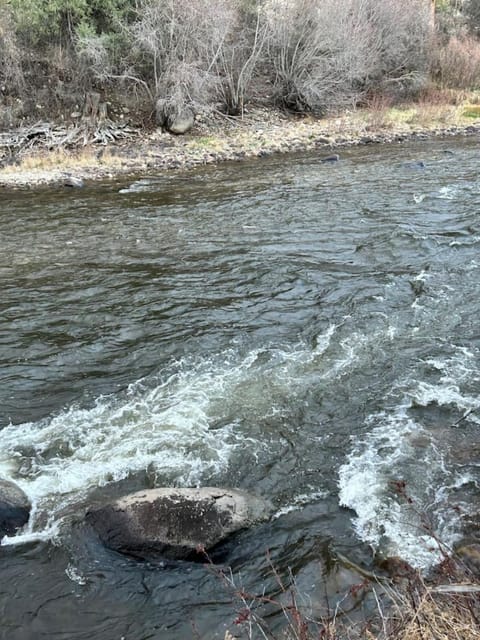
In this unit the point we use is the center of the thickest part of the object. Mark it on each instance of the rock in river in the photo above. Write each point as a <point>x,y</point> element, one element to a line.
<point>175,523</point>
<point>73,182</point>
<point>14,508</point>
<point>333,158</point>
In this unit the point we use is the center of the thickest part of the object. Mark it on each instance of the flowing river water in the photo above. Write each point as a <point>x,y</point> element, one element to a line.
<point>307,332</point>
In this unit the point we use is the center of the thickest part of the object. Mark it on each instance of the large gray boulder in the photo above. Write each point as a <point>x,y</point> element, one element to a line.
<point>181,122</point>
<point>177,120</point>
<point>14,508</point>
<point>175,523</point>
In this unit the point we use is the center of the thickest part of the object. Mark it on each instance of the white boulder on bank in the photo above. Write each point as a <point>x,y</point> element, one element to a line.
<point>175,523</point>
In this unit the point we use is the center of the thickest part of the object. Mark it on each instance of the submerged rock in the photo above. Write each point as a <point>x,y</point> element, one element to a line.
<point>14,508</point>
<point>175,523</point>
<point>416,164</point>
<point>333,158</point>
<point>325,585</point>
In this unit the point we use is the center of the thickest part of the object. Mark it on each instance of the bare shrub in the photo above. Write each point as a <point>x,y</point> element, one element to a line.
<point>11,73</point>
<point>444,607</point>
<point>401,33</point>
<point>235,62</point>
<point>378,106</point>
<point>456,64</point>
<point>181,53</point>
<point>449,17</point>
<point>408,607</point>
<point>305,53</point>
<point>330,52</point>
<point>441,96</point>
<point>180,43</point>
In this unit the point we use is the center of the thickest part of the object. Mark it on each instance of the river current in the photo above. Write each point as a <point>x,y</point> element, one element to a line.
<point>305,331</point>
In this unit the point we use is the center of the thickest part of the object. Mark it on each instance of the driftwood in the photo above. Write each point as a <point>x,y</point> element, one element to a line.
<point>90,130</point>
<point>455,588</point>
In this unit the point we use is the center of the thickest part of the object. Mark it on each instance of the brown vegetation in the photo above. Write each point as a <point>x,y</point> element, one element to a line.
<point>456,64</point>
<point>447,607</point>
<point>306,55</point>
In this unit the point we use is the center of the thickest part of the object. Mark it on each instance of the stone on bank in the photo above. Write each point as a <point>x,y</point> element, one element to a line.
<point>175,523</point>
<point>176,120</point>
<point>14,508</point>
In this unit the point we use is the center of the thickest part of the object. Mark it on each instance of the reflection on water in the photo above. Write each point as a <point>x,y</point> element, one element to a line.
<point>303,331</point>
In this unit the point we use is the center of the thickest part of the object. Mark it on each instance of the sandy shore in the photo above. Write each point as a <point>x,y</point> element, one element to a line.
<point>215,140</point>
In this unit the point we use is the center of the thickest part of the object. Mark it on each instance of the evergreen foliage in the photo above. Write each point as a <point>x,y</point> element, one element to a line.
<point>45,21</point>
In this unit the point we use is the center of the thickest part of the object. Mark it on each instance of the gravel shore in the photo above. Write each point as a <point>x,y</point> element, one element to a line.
<point>214,140</point>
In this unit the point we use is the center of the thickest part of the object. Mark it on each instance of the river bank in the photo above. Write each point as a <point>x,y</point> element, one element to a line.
<point>216,139</point>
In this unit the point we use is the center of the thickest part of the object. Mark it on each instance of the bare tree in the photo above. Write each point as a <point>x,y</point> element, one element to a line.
<point>472,13</point>
<point>401,36</point>
<point>318,53</point>
<point>235,62</point>
<point>456,63</point>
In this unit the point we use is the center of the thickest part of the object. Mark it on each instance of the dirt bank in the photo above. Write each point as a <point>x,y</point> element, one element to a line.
<point>213,140</point>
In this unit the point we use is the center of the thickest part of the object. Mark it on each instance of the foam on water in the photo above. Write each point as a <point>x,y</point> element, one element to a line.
<point>182,425</point>
<point>138,186</point>
<point>164,424</point>
<point>449,192</point>
<point>409,521</point>
<point>367,485</point>
<point>300,501</point>
<point>51,532</point>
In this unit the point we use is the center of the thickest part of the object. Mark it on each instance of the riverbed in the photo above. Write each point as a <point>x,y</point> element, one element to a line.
<point>305,331</point>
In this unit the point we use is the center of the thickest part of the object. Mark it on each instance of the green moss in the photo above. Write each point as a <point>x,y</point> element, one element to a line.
<point>472,111</point>
<point>397,115</point>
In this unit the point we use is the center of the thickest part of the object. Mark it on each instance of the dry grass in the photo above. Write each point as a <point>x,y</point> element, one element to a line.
<point>435,616</point>
<point>471,111</point>
<point>447,607</point>
<point>428,617</point>
<point>63,160</point>
<point>440,115</point>
<point>423,115</point>
<point>440,621</point>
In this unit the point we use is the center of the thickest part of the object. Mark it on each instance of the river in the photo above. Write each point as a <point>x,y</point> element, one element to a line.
<point>305,331</point>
